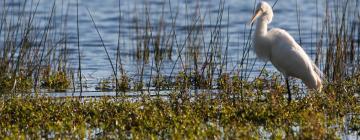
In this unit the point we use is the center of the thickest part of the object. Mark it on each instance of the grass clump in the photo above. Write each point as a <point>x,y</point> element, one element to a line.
<point>58,80</point>
<point>161,82</point>
<point>109,84</point>
<point>19,84</point>
<point>124,84</point>
<point>105,85</point>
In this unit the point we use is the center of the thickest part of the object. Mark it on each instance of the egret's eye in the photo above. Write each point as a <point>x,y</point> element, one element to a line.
<point>261,9</point>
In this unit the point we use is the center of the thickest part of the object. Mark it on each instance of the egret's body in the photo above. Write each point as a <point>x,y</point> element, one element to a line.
<point>280,48</point>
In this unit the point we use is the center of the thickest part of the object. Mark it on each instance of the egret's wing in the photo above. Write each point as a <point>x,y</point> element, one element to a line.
<point>318,71</point>
<point>287,55</point>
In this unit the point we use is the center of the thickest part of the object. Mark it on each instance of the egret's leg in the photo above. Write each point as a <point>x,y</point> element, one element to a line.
<point>288,88</point>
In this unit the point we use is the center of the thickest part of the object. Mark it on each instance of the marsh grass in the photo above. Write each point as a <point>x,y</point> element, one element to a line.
<point>215,116</point>
<point>58,81</point>
<point>208,99</point>
<point>203,61</point>
<point>31,58</point>
<point>339,36</point>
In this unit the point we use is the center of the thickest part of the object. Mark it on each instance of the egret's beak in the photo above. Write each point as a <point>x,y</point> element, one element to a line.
<point>257,14</point>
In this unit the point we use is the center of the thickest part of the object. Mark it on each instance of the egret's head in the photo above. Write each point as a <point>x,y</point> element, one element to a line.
<point>264,11</point>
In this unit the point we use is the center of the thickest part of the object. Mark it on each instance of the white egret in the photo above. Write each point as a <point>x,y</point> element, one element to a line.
<point>280,48</point>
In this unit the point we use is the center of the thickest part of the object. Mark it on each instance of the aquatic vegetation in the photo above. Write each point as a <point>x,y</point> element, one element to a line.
<point>207,99</point>
<point>108,84</point>
<point>19,84</point>
<point>124,83</point>
<point>326,115</point>
<point>105,85</point>
<point>57,81</point>
<point>161,83</point>
<point>182,81</point>
<point>138,86</point>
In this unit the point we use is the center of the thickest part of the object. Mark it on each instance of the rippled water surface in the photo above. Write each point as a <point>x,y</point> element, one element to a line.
<point>134,16</point>
<point>182,29</point>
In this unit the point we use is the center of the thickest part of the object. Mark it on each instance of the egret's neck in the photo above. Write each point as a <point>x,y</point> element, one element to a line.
<point>261,27</point>
<point>262,46</point>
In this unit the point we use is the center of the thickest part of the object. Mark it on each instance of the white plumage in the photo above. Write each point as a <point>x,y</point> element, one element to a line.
<point>280,48</point>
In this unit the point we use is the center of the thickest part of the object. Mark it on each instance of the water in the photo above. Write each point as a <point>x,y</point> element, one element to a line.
<point>109,13</point>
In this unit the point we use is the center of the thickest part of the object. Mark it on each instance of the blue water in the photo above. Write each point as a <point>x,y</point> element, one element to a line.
<point>109,14</point>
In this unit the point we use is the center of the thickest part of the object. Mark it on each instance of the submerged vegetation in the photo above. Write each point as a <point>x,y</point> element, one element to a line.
<point>206,97</point>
